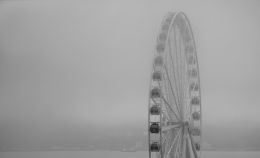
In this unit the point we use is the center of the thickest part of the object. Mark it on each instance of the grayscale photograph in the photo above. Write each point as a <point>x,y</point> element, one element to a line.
<point>129,79</point>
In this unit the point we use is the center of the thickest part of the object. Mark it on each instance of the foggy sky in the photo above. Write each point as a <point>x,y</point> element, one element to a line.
<point>90,62</point>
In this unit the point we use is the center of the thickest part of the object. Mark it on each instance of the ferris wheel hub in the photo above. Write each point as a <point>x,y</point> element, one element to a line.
<point>186,123</point>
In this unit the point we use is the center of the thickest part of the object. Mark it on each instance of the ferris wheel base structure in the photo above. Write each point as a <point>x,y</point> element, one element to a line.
<point>174,110</point>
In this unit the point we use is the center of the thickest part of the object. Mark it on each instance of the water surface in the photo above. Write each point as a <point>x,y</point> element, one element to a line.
<point>116,154</point>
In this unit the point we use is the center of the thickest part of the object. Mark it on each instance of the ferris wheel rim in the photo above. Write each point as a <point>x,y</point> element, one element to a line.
<point>197,68</point>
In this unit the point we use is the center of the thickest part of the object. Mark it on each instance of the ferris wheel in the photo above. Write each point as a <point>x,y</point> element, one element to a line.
<point>174,117</point>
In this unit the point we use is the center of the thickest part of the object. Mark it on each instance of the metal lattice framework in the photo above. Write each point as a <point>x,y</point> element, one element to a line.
<point>174,102</point>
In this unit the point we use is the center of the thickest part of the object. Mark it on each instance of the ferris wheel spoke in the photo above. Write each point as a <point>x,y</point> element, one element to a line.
<point>169,107</point>
<point>186,87</point>
<point>175,100</point>
<point>182,69</point>
<point>165,113</point>
<point>176,83</point>
<point>167,146</point>
<point>181,79</point>
<point>166,110</point>
<point>175,72</point>
<point>173,126</point>
<point>170,111</point>
<point>183,75</point>
<point>169,117</point>
<point>178,68</point>
<point>184,79</point>
<point>166,141</point>
<point>186,97</point>
<point>173,62</point>
<point>176,46</point>
<point>188,150</point>
<point>192,145</point>
<point>178,147</point>
<point>168,92</point>
<point>172,144</point>
<point>165,136</point>
<point>175,152</point>
<point>169,100</point>
<point>183,154</point>
<point>170,86</point>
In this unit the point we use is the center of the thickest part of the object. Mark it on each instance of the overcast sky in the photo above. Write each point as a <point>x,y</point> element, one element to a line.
<point>90,62</point>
